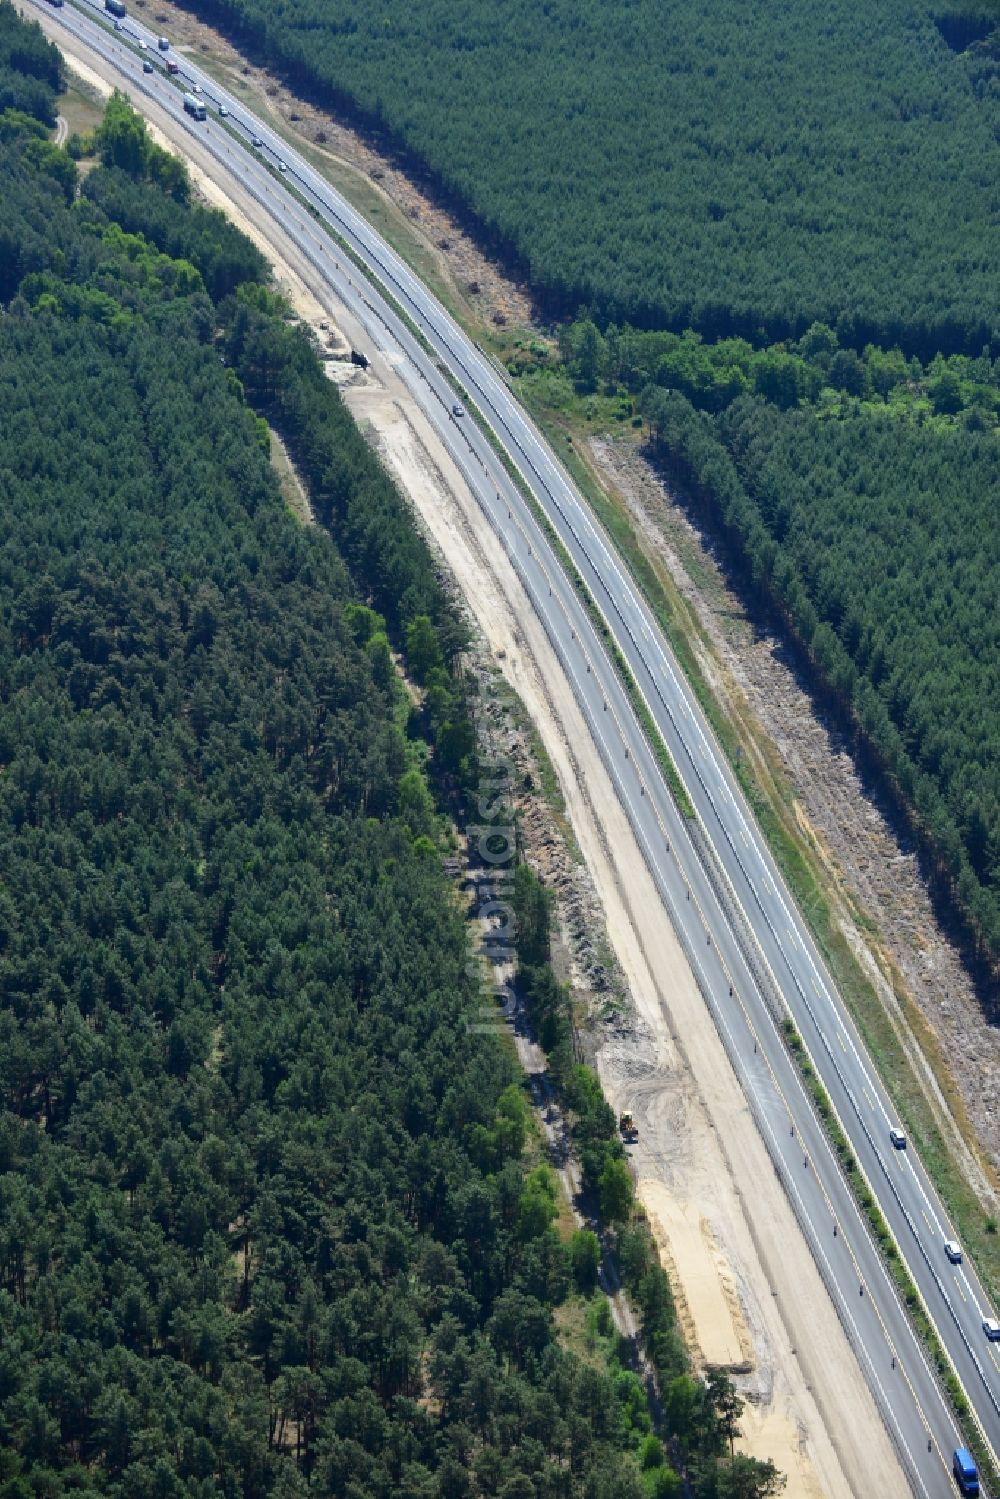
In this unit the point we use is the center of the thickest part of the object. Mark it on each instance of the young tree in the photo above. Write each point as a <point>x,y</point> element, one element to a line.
<point>531,905</point>
<point>589,353</point>
<point>423,652</point>
<point>585,1259</point>
<point>726,1403</point>
<point>121,137</point>
<point>749,1478</point>
<point>616,1191</point>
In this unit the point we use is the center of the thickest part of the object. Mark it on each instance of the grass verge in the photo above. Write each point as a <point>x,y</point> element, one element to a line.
<point>772,800</point>
<point>80,106</point>
<point>638,702</point>
<point>769,794</point>
<point>360,191</point>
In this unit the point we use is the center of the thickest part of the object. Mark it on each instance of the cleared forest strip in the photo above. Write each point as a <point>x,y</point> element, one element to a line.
<point>420,230</point>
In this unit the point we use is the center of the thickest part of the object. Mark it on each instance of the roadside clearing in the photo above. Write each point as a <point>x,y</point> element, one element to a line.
<point>786,1303</point>
<point>900,975</point>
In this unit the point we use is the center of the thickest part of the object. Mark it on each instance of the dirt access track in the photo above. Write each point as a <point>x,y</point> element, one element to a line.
<point>922,995</point>
<point>747,1288</point>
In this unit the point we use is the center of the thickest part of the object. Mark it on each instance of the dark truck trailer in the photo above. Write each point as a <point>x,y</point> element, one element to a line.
<point>115,8</point>
<point>965,1471</point>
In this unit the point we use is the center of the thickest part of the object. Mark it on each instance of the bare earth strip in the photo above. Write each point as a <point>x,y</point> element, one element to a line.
<point>396,204</point>
<point>713,1321</point>
<point>699,1148</point>
<point>916,971</point>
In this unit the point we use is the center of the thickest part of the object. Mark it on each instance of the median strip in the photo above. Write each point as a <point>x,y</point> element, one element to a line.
<point>673,780</point>
<point>638,703</point>
<point>909,1295</point>
<point>863,1195</point>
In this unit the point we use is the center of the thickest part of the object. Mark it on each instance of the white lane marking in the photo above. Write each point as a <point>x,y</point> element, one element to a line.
<point>927,1202</point>
<point>770,883</point>
<point>971,1291</point>
<point>629,594</point>
<point>521,423</point>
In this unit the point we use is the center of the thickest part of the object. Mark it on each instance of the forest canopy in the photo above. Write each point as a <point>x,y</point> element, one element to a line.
<point>731,168</point>
<point>876,538</point>
<point>267,1221</point>
<point>783,214</point>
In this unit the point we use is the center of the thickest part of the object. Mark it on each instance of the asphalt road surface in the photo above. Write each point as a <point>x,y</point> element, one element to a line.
<point>749,947</point>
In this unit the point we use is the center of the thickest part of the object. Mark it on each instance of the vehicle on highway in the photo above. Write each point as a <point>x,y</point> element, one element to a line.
<point>56,3</point>
<point>458,410</point>
<point>223,111</point>
<point>116,8</point>
<point>195,107</point>
<point>466,376</point>
<point>953,1251</point>
<point>965,1472</point>
<point>142,46</point>
<point>172,66</point>
<point>991,1327</point>
<point>282,167</point>
<point>163,44</point>
<point>147,66</point>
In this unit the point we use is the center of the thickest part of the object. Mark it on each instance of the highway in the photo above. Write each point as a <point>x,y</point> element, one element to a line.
<point>749,947</point>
